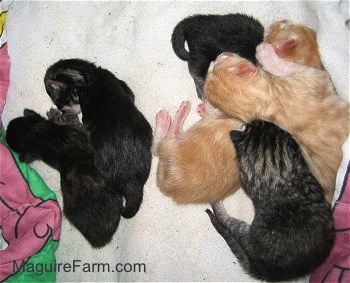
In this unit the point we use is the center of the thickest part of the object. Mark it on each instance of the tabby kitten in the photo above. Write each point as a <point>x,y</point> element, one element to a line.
<point>88,202</point>
<point>292,230</point>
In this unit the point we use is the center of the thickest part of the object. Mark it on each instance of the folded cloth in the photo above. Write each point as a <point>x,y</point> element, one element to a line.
<point>30,217</point>
<point>337,266</point>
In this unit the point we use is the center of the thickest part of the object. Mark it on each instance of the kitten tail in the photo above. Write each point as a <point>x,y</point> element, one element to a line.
<point>133,194</point>
<point>178,42</point>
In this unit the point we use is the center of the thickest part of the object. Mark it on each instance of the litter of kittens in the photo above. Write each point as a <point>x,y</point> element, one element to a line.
<point>166,235</point>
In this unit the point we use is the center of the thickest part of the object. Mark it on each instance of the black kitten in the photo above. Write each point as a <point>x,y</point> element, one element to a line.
<point>292,231</point>
<point>119,133</point>
<point>88,202</point>
<point>208,36</point>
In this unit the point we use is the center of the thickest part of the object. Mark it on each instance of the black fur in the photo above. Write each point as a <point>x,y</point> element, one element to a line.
<point>208,36</point>
<point>292,231</point>
<point>88,202</point>
<point>119,133</point>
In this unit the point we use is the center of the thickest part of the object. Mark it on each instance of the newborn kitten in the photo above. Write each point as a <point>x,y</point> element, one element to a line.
<point>302,102</point>
<point>292,231</point>
<point>119,134</point>
<point>88,202</point>
<point>196,166</point>
<point>207,36</point>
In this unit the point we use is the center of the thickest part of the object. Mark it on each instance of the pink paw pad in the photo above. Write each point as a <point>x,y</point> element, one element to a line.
<point>201,109</point>
<point>175,129</point>
<point>163,122</point>
<point>183,109</point>
<point>264,52</point>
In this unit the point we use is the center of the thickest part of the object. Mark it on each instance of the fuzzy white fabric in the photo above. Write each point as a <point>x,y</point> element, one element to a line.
<point>132,39</point>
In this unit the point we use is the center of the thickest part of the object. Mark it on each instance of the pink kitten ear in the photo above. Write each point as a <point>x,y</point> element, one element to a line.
<point>286,47</point>
<point>56,85</point>
<point>242,69</point>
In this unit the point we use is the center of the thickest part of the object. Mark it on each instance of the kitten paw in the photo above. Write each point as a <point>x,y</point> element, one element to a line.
<point>55,116</point>
<point>266,55</point>
<point>163,122</point>
<point>201,109</point>
<point>175,129</point>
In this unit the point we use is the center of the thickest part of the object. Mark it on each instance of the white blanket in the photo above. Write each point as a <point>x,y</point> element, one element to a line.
<point>132,39</point>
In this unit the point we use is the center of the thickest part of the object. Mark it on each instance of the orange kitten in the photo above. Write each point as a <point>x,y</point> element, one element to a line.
<point>197,166</point>
<point>299,99</point>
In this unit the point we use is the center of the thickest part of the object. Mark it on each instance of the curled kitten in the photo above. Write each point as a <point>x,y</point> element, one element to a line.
<point>196,166</point>
<point>292,231</point>
<point>88,202</point>
<point>119,134</point>
<point>207,36</point>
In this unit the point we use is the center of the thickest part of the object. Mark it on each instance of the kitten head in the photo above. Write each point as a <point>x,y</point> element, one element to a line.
<point>265,146</point>
<point>66,82</point>
<point>294,42</point>
<point>72,83</point>
<point>20,132</point>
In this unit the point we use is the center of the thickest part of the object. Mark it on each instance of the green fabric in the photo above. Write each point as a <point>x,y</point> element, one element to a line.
<point>35,183</point>
<point>46,256</point>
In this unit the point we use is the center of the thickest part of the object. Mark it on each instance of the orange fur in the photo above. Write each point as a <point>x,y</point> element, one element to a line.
<point>199,167</point>
<point>303,104</point>
<point>294,42</point>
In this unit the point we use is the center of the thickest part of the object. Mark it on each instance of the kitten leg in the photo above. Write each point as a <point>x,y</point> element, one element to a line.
<point>232,224</point>
<point>267,57</point>
<point>237,243</point>
<point>175,129</point>
<point>163,122</point>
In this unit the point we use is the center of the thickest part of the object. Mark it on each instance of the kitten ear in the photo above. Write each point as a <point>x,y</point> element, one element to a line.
<point>26,157</point>
<point>54,88</point>
<point>242,69</point>
<point>30,113</point>
<point>293,145</point>
<point>236,136</point>
<point>286,47</point>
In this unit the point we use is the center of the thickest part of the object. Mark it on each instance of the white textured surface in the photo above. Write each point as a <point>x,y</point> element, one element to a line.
<point>132,39</point>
